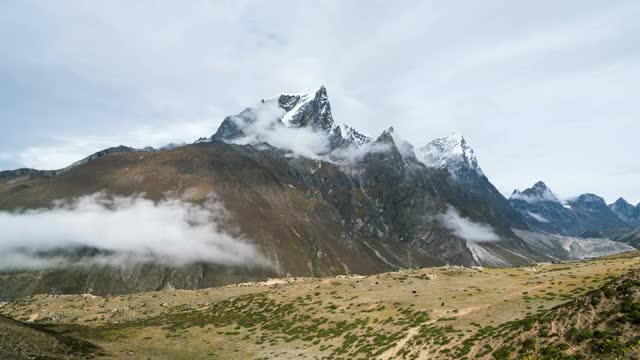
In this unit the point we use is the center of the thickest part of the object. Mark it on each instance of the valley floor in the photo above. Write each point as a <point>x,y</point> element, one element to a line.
<point>431,313</point>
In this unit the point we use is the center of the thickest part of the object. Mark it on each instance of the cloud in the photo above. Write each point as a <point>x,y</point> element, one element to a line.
<point>538,218</point>
<point>466,228</point>
<point>544,196</point>
<point>119,231</point>
<point>405,147</point>
<point>262,124</point>
<point>353,154</point>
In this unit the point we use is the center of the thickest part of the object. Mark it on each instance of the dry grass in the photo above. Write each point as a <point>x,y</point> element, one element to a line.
<point>421,313</point>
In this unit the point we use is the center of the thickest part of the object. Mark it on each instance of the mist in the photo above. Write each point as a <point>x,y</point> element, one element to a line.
<point>264,125</point>
<point>465,228</point>
<point>537,217</point>
<point>545,196</point>
<point>122,231</point>
<point>353,154</point>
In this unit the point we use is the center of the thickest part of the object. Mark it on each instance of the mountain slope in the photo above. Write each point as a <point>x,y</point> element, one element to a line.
<point>308,217</point>
<point>544,212</point>
<point>356,206</point>
<point>631,238</point>
<point>268,197</point>
<point>564,247</point>
<point>603,324</point>
<point>26,172</point>
<point>455,155</point>
<point>430,313</point>
<point>597,216</point>
<point>626,212</point>
<point>23,341</point>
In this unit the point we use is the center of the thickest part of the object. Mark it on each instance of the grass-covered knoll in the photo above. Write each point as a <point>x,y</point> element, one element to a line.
<point>551,311</point>
<point>604,323</point>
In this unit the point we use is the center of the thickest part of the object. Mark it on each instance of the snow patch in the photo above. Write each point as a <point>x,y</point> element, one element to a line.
<point>451,152</point>
<point>305,98</point>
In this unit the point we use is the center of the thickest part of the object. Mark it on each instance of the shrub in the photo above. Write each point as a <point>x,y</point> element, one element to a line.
<point>504,353</point>
<point>529,344</point>
<point>607,346</point>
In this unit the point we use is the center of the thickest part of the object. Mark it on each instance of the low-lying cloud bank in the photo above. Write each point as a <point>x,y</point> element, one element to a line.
<point>121,231</point>
<point>466,228</point>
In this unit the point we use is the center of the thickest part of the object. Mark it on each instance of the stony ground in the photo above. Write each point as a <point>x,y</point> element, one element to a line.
<point>431,313</point>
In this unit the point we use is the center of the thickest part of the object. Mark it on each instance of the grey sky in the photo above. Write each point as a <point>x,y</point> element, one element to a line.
<point>543,90</point>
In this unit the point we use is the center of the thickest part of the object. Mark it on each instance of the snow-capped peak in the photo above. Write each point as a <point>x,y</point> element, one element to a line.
<point>452,152</point>
<point>295,103</point>
<point>308,108</point>
<point>351,135</point>
<point>589,198</point>
<point>538,192</point>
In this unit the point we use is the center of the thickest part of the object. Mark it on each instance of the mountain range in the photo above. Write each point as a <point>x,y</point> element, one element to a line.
<point>585,216</point>
<point>319,198</point>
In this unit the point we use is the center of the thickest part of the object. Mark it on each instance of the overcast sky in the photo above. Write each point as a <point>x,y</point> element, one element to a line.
<point>542,90</point>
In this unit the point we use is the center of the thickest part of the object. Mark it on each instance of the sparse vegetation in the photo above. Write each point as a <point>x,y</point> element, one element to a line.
<point>511,314</point>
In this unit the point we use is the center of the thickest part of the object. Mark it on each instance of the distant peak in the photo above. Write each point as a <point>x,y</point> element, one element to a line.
<point>386,136</point>
<point>321,90</point>
<point>452,152</point>
<point>590,201</point>
<point>622,201</point>
<point>622,206</point>
<point>538,192</point>
<point>540,186</point>
<point>589,196</point>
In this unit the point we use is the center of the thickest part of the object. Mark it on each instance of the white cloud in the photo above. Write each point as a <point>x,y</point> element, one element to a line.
<point>537,217</point>
<point>126,230</point>
<point>352,154</point>
<point>465,228</point>
<point>547,195</point>
<point>264,126</point>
